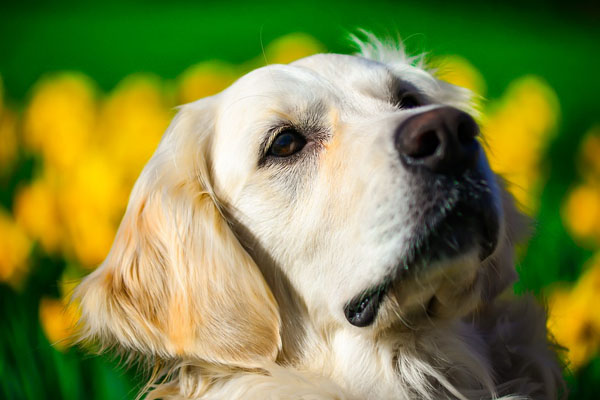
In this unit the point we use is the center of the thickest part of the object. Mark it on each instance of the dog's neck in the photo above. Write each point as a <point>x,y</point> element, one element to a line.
<point>470,357</point>
<point>451,358</point>
<point>500,351</point>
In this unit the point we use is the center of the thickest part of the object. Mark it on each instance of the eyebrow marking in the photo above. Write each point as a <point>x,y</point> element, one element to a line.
<point>397,86</point>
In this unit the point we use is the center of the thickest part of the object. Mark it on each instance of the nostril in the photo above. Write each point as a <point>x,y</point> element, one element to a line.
<point>464,137</point>
<point>426,145</point>
<point>466,131</point>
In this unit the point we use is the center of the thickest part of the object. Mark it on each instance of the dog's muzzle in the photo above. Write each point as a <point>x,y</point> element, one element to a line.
<point>439,146</point>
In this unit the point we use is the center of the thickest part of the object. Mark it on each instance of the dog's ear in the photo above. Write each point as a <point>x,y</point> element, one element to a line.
<point>500,272</point>
<point>177,283</point>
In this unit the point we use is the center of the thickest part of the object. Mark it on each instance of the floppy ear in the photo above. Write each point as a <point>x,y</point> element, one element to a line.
<point>500,272</point>
<point>177,283</point>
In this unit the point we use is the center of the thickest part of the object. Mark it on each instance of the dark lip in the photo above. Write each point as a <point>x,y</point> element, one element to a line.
<point>455,232</point>
<point>472,220</point>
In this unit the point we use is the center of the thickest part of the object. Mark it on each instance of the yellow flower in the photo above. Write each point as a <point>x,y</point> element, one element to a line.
<point>208,78</point>
<point>573,320</point>
<point>460,72</point>
<point>91,237</point>
<point>590,154</point>
<point>131,124</point>
<point>75,212</point>
<point>205,79</point>
<point>36,210</point>
<point>58,321</point>
<point>60,119</point>
<point>292,47</point>
<point>8,138</point>
<point>516,132</point>
<point>14,249</point>
<point>91,161</point>
<point>8,133</point>
<point>91,204</point>
<point>581,212</point>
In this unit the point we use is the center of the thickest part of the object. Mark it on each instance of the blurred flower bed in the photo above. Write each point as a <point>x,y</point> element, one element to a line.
<point>70,157</point>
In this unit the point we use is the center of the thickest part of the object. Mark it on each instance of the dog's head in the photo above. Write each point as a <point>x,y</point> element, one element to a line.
<point>356,186</point>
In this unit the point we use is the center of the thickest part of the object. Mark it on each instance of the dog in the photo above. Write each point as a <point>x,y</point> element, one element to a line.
<point>327,229</point>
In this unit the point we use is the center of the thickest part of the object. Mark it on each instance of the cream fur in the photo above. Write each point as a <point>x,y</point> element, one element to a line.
<point>231,277</point>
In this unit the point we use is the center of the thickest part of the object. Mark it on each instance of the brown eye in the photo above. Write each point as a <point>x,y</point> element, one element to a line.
<point>409,100</point>
<point>287,143</point>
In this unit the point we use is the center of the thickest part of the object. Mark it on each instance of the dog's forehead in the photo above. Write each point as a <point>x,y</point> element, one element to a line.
<point>312,76</point>
<point>346,83</point>
<point>342,69</point>
<point>275,81</point>
<point>261,98</point>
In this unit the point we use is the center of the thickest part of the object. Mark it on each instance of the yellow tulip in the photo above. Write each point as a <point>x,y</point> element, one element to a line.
<point>573,320</point>
<point>14,248</point>
<point>590,154</point>
<point>291,47</point>
<point>91,204</point>
<point>132,121</point>
<point>205,79</point>
<point>8,138</point>
<point>60,119</point>
<point>90,236</point>
<point>36,210</point>
<point>460,72</point>
<point>516,131</point>
<point>581,213</point>
<point>58,321</point>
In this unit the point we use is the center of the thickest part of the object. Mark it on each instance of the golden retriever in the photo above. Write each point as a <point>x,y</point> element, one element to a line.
<point>328,229</point>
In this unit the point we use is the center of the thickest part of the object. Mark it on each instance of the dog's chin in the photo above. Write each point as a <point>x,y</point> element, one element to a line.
<point>436,277</point>
<point>448,288</point>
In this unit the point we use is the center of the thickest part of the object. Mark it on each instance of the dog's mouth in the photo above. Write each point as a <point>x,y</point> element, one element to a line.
<point>469,222</point>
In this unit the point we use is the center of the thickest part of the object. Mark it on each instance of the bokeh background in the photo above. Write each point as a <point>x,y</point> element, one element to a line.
<point>87,90</point>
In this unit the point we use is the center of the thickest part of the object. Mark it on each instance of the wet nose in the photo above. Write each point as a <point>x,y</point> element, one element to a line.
<point>442,140</point>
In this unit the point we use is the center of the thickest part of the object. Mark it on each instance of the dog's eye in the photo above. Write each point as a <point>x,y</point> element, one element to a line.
<point>287,143</point>
<point>409,100</point>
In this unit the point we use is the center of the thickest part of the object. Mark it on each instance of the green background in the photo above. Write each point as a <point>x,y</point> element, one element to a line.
<point>556,41</point>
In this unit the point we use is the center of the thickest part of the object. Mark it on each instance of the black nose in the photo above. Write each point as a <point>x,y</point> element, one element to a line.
<point>441,140</point>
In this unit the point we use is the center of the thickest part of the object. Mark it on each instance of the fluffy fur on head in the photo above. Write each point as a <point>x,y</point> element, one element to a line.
<point>305,235</point>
